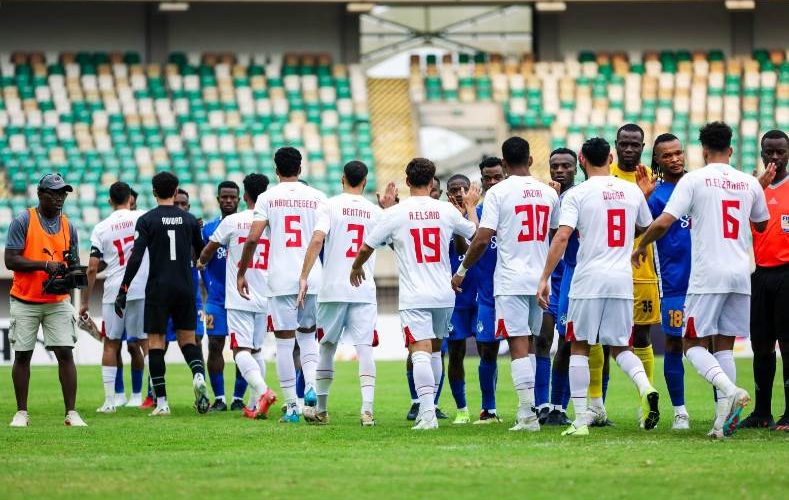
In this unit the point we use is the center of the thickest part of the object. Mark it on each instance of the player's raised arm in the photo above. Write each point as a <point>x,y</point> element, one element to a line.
<point>313,251</point>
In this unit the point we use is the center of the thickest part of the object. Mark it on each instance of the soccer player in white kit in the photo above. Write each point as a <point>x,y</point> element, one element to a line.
<point>247,318</point>
<point>342,308</point>
<point>720,201</point>
<point>519,211</point>
<point>289,210</point>
<point>606,212</point>
<point>419,228</point>
<point>111,241</point>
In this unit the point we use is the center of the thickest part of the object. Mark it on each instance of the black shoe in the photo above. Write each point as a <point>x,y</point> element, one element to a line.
<point>782,424</point>
<point>218,405</point>
<point>542,415</point>
<point>440,414</point>
<point>557,418</point>
<point>413,412</point>
<point>754,421</point>
<point>237,405</point>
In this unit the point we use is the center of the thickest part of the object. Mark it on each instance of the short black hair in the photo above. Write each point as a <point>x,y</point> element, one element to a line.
<point>774,134</point>
<point>563,151</point>
<point>227,185</point>
<point>489,162</point>
<point>420,172</point>
<point>165,184</point>
<point>462,177</point>
<point>288,161</point>
<point>254,184</point>
<point>515,151</point>
<point>134,193</point>
<point>355,172</point>
<point>183,192</point>
<point>660,140</point>
<point>120,192</point>
<point>630,127</point>
<point>596,151</point>
<point>715,136</point>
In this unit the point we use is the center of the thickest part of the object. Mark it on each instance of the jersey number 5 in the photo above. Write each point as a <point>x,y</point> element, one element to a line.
<point>119,247</point>
<point>731,226</point>
<point>292,223</point>
<point>430,239</point>
<point>616,227</point>
<point>356,241</point>
<point>535,222</point>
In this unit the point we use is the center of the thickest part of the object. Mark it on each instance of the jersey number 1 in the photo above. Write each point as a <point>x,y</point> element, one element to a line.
<point>119,247</point>
<point>430,239</point>
<point>171,235</point>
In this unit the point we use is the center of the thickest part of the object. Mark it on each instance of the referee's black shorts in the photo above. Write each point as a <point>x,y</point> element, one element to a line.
<point>164,304</point>
<point>770,304</point>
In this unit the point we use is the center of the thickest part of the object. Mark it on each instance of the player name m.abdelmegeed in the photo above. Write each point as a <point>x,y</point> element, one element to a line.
<point>292,203</point>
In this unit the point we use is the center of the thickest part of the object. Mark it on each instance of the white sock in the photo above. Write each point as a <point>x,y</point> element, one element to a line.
<point>308,347</point>
<point>523,380</point>
<point>325,374</point>
<point>251,372</point>
<point>424,380</point>
<point>161,402</point>
<point>596,402</point>
<point>366,376</point>
<point>533,362</point>
<point>108,379</point>
<point>286,370</point>
<point>261,361</point>
<point>680,410</point>
<point>726,361</point>
<point>709,368</point>
<point>631,364</point>
<point>438,368</point>
<point>579,386</point>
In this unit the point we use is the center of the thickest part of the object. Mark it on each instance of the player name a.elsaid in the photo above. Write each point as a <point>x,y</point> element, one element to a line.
<point>286,203</point>
<point>726,184</point>
<point>172,221</point>
<point>613,195</point>
<point>356,212</point>
<point>424,215</point>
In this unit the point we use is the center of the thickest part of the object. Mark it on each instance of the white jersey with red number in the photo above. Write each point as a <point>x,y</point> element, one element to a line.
<point>113,239</point>
<point>521,210</point>
<point>232,233</point>
<point>420,228</point>
<point>720,201</point>
<point>605,210</point>
<point>346,219</point>
<point>291,209</point>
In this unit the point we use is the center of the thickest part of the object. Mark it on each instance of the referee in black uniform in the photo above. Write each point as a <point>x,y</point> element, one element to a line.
<point>172,238</point>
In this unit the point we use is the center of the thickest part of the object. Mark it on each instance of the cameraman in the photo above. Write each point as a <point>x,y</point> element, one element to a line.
<point>38,240</point>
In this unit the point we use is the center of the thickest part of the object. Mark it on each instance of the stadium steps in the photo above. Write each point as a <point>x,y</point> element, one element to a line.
<point>394,143</point>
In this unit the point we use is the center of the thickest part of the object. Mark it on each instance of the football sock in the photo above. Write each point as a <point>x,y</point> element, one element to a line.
<point>218,385</point>
<point>487,383</point>
<point>647,357</point>
<point>596,360</point>
<point>251,372</point>
<point>157,368</point>
<point>726,361</point>
<point>108,375</point>
<point>437,366</point>
<point>542,380</point>
<point>533,363</point>
<point>286,370</point>
<point>763,377</point>
<point>579,386</point>
<point>458,388</point>
<point>299,381</point>
<point>119,388</point>
<point>630,364</point>
<point>674,372</point>
<point>147,363</point>
<point>366,375</point>
<point>523,380</point>
<point>194,358</point>
<point>324,374</point>
<point>409,375</point>
<point>560,388</point>
<point>709,368</point>
<point>425,383</point>
<point>308,345</point>
<point>136,380</point>
<point>240,386</point>
<point>261,361</point>
<point>606,378</point>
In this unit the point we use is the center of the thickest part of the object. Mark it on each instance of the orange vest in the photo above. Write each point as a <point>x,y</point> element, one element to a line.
<point>28,285</point>
<point>771,248</point>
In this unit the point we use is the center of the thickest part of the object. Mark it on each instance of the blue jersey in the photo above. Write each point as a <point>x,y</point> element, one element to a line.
<point>214,274</point>
<point>467,299</point>
<point>571,252</point>
<point>674,247</point>
<point>486,265</point>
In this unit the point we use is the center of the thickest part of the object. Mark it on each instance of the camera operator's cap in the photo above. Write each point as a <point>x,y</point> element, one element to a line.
<point>54,182</point>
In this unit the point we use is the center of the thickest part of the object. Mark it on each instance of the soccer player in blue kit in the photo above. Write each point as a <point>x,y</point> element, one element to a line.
<point>228,196</point>
<point>668,167</point>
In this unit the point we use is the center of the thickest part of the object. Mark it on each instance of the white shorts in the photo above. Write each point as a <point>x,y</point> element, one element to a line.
<point>601,321</point>
<point>286,315</point>
<point>425,324</point>
<point>709,314</point>
<point>517,316</point>
<point>131,322</point>
<point>247,329</point>
<point>357,320</point>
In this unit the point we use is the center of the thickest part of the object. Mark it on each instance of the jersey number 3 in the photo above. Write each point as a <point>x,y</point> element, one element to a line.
<point>356,241</point>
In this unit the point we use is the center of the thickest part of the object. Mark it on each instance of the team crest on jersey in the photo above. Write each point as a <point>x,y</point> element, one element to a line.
<point>480,326</point>
<point>451,328</point>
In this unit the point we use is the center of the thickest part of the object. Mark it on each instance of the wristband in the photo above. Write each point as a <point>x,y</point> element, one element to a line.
<point>461,271</point>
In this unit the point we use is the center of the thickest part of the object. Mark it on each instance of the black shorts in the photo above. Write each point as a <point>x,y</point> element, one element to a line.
<point>159,307</point>
<point>770,304</point>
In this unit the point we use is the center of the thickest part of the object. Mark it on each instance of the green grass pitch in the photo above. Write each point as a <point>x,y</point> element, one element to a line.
<point>222,455</point>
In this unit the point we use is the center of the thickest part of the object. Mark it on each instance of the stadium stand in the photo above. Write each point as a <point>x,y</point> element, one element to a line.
<point>101,117</point>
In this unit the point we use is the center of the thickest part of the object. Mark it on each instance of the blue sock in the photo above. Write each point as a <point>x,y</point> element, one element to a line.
<point>487,383</point>
<point>542,381</point>
<point>558,387</point>
<point>674,372</point>
<point>136,376</point>
<point>217,384</point>
<point>409,374</point>
<point>240,387</point>
<point>605,385</point>
<point>458,388</point>
<point>119,389</point>
<point>440,386</point>
<point>300,385</point>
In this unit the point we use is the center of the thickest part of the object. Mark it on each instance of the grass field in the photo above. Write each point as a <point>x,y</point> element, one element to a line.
<point>129,454</point>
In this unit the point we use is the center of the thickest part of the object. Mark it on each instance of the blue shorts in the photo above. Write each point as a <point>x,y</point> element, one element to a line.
<point>486,323</point>
<point>553,303</point>
<point>170,337</point>
<point>462,324</point>
<point>215,320</point>
<point>672,315</point>
<point>563,302</point>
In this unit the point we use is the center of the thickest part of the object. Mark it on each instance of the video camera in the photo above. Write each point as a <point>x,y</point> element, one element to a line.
<point>66,276</point>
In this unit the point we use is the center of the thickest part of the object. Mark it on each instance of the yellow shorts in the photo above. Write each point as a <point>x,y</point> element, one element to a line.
<point>646,304</point>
